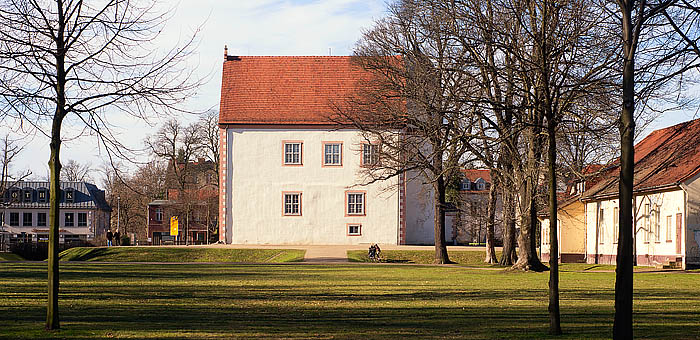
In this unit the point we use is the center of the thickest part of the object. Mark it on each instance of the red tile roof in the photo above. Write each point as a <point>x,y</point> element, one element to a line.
<point>665,158</point>
<point>285,90</point>
<point>474,174</point>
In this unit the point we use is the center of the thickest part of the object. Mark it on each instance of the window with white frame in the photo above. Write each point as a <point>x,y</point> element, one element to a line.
<point>656,223</point>
<point>370,154</point>
<point>159,214</point>
<point>545,235</point>
<point>466,184</point>
<point>616,224</point>
<point>69,220</point>
<point>27,219</point>
<point>14,219</point>
<point>647,224</point>
<point>292,153</point>
<point>355,203</point>
<point>669,228</point>
<point>354,229</point>
<point>27,196</point>
<point>332,153</point>
<point>292,203</point>
<point>601,225</point>
<point>82,219</point>
<point>41,219</point>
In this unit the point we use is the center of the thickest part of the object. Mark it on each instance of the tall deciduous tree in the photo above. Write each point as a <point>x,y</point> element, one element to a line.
<point>408,104</point>
<point>84,63</point>
<point>660,42</point>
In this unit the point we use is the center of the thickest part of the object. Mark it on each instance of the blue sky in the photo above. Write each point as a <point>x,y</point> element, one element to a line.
<point>248,27</point>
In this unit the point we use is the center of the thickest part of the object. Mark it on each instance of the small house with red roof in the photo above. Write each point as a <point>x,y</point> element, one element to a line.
<point>666,201</point>
<point>471,218</point>
<point>290,175</point>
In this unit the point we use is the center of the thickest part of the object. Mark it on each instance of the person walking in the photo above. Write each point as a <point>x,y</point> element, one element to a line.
<point>117,238</point>
<point>109,238</point>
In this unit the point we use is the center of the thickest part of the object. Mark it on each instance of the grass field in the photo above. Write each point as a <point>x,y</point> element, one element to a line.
<point>165,301</point>
<point>464,258</point>
<point>470,258</point>
<point>10,257</point>
<point>181,254</point>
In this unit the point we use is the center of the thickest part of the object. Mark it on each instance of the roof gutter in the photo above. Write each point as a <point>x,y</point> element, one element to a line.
<point>635,192</point>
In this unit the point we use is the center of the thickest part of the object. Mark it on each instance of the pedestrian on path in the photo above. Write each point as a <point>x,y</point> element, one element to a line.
<point>109,238</point>
<point>117,238</point>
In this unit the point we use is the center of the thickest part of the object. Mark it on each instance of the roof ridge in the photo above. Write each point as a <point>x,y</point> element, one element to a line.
<point>292,56</point>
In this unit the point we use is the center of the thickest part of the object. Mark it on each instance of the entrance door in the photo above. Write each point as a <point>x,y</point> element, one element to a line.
<point>679,232</point>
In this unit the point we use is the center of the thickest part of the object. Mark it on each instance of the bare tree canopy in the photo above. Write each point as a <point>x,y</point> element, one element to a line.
<point>85,63</point>
<point>73,171</point>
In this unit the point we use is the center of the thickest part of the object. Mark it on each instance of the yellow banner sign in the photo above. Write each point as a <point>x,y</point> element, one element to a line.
<point>173,226</point>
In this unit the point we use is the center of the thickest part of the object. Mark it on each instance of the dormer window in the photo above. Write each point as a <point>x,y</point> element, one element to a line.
<point>480,184</point>
<point>14,195</point>
<point>466,184</point>
<point>42,195</point>
<point>27,196</point>
<point>69,195</point>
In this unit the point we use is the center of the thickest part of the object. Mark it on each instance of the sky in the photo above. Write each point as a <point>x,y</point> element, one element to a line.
<point>247,27</point>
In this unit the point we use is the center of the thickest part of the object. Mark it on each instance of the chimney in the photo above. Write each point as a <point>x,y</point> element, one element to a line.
<point>225,52</point>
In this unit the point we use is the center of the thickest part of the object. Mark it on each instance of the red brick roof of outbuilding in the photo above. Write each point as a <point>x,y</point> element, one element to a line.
<point>663,159</point>
<point>474,174</point>
<point>298,90</point>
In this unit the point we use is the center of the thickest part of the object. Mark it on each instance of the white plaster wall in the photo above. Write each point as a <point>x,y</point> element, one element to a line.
<point>258,177</point>
<point>420,212</point>
<point>692,222</point>
<point>670,203</point>
<point>62,215</point>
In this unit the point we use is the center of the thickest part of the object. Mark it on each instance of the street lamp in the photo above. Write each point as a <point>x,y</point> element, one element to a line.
<point>118,200</point>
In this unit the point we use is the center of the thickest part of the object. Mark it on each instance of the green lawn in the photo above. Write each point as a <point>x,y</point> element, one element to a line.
<point>10,257</point>
<point>165,301</point>
<point>181,254</point>
<point>469,258</point>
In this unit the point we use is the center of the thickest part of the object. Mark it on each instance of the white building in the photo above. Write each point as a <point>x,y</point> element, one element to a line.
<point>83,212</point>
<point>289,176</point>
<point>666,202</point>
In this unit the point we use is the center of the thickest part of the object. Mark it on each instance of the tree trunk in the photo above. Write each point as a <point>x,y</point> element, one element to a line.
<point>54,195</point>
<point>622,326</point>
<point>509,256</point>
<point>440,246</point>
<point>52,319</point>
<point>527,242</point>
<point>491,215</point>
<point>554,315</point>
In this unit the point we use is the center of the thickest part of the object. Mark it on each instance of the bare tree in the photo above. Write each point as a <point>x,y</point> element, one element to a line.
<point>134,192</point>
<point>209,138</point>
<point>660,42</point>
<point>9,149</point>
<point>84,62</point>
<point>76,172</point>
<point>407,104</point>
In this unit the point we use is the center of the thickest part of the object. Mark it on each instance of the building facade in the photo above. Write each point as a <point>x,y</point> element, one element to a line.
<point>666,202</point>
<point>191,197</point>
<point>84,212</point>
<point>290,175</point>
